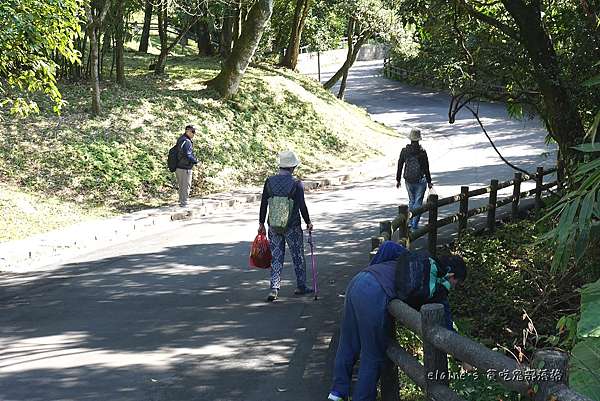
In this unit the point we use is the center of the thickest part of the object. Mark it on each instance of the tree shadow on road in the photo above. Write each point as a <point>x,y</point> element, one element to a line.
<point>188,322</point>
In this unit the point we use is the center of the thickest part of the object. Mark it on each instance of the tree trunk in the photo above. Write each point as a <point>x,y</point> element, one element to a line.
<point>226,37</point>
<point>350,59</point>
<point>165,47</point>
<point>119,43</point>
<point>79,69</point>
<point>228,81</point>
<point>203,39</point>
<point>106,39</point>
<point>290,59</point>
<point>159,67</point>
<point>350,37</point>
<point>560,113</point>
<point>94,22</point>
<point>94,73</point>
<point>145,39</point>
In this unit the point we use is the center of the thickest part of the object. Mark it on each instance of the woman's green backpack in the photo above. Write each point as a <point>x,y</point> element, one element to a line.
<point>280,209</point>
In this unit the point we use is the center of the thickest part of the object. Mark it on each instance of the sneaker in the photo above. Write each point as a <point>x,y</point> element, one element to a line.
<point>272,295</point>
<point>303,291</point>
<point>333,397</point>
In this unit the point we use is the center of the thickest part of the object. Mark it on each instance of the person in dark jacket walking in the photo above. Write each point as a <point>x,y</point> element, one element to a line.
<point>414,278</point>
<point>413,159</point>
<point>185,162</point>
<point>284,184</point>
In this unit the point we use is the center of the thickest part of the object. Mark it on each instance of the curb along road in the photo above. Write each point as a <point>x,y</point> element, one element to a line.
<point>60,246</point>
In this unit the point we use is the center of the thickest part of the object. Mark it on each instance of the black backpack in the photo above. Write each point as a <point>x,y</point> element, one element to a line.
<point>412,168</point>
<point>173,157</point>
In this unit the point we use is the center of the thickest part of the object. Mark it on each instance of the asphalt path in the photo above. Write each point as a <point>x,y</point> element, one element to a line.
<point>179,316</point>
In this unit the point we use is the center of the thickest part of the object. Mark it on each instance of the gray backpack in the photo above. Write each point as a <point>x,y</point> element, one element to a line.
<point>412,168</point>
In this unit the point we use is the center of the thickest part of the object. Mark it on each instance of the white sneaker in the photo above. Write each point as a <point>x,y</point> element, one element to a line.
<point>334,398</point>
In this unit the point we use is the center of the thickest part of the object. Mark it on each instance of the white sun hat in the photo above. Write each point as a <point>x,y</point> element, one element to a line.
<point>288,159</point>
<point>415,134</point>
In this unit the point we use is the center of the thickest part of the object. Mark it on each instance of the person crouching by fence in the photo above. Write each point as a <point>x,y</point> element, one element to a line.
<point>283,195</point>
<point>394,272</point>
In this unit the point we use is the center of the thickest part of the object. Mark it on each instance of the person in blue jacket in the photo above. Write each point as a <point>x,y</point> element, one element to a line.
<point>185,162</point>
<point>413,277</point>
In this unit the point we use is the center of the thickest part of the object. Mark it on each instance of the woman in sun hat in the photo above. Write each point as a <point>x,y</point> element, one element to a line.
<point>284,185</point>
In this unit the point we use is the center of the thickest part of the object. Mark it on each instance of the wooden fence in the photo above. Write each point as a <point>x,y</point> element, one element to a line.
<point>397,229</point>
<point>546,377</point>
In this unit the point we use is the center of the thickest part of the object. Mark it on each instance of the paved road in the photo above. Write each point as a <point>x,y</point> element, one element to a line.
<point>178,316</point>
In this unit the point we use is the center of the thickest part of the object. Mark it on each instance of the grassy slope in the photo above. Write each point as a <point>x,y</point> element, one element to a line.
<point>117,161</point>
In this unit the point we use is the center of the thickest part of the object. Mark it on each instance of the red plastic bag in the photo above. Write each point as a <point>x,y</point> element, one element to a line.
<point>260,252</point>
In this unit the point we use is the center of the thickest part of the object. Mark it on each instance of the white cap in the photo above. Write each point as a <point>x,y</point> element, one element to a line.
<point>288,159</point>
<point>415,134</point>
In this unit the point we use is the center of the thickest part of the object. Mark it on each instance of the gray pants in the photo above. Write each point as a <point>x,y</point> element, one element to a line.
<point>184,182</point>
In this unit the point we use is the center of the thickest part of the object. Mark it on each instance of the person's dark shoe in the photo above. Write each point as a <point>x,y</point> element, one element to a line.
<point>303,291</point>
<point>272,295</point>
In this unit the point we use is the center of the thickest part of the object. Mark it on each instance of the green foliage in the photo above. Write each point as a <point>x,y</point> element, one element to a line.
<point>585,365</point>
<point>508,274</point>
<point>26,214</point>
<point>459,52</point>
<point>567,329</point>
<point>32,33</point>
<point>585,359</point>
<point>589,323</point>
<point>325,27</point>
<point>577,212</point>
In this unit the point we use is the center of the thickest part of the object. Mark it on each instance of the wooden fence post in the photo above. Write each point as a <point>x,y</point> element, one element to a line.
<point>516,196</point>
<point>433,215</point>
<point>376,242</point>
<point>555,365</point>
<point>491,217</point>
<point>434,360</point>
<point>385,229</point>
<point>464,209</point>
<point>403,231</point>
<point>390,383</point>
<point>539,181</point>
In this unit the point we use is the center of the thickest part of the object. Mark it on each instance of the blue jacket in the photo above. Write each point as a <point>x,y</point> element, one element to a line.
<point>281,185</point>
<point>186,159</point>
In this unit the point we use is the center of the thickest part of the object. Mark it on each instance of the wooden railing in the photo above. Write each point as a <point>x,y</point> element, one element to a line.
<point>544,379</point>
<point>398,230</point>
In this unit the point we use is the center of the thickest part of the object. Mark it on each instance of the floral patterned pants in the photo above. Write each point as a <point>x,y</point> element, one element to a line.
<point>295,241</point>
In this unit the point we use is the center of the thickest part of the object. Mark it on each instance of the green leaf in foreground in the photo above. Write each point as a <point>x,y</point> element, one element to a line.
<point>589,323</point>
<point>585,365</point>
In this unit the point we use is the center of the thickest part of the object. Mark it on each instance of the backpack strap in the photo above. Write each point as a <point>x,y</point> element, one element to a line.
<point>292,193</point>
<point>180,143</point>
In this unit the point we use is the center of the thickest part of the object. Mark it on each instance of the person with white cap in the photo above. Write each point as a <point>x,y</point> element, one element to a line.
<point>185,162</point>
<point>283,196</point>
<point>413,159</point>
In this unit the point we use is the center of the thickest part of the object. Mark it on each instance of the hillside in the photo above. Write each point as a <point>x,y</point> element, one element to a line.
<point>60,169</point>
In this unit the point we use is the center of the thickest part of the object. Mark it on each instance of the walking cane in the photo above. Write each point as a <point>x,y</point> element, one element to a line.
<point>314,265</point>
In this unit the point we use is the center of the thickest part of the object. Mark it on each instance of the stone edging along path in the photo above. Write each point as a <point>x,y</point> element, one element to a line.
<point>60,246</point>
